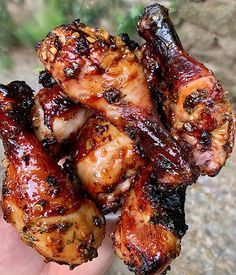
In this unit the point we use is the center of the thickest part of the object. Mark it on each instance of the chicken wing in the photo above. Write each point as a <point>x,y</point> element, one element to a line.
<point>197,109</point>
<point>106,160</point>
<point>38,198</point>
<point>57,120</point>
<point>152,222</point>
<point>99,71</point>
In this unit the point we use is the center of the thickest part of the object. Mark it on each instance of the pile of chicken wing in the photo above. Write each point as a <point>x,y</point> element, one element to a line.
<point>116,125</point>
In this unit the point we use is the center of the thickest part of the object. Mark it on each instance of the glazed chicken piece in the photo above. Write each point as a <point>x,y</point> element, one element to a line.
<point>57,120</point>
<point>99,71</point>
<point>38,199</point>
<point>152,222</point>
<point>106,161</point>
<point>103,158</point>
<point>197,109</point>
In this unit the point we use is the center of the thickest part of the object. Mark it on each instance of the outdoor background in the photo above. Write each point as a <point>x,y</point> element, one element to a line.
<point>207,29</point>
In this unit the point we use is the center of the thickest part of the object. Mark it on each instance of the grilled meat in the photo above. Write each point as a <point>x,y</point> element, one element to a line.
<point>104,158</point>
<point>152,222</point>
<point>99,71</point>
<point>196,107</point>
<point>38,198</point>
<point>57,120</point>
<point>106,161</point>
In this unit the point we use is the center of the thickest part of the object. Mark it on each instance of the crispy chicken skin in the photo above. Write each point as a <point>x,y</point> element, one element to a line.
<point>99,71</point>
<point>56,119</point>
<point>197,109</point>
<point>38,198</point>
<point>152,222</point>
<point>106,161</point>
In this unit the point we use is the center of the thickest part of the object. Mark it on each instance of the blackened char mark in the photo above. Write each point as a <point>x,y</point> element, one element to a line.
<point>155,21</point>
<point>18,102</point>
<point>69,168</point>
<point>47,143</point>
<point>192,100</point>
<point>46,79</point>
<point>132,45</point>
<point>108,208</point>
<point>82,45</point>
<point>57,43</point>
<point>98,222</point>
<point>205,139</point>
<point>112,95</point>
<point>158,99</point>
<point>170,203</point>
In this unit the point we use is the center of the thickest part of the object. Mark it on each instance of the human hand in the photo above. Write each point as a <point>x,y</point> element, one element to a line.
<point>18,258</point>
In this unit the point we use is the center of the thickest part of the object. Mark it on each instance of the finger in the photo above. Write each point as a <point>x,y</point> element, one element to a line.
<point>15,256</point>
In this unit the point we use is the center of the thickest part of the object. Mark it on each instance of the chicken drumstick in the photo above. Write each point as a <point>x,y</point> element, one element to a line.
<point>198,112</point>
<point>38,198</point>
<point>152,223</point>
<point>99,71</point>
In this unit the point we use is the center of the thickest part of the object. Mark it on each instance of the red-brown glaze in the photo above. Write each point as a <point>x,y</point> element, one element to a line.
<point>142,238</point>
<point>57,120</point>
<point>104,157</point>
<point>29,166</point>
<point>55,104</point>
<point>106,160</point>
<point>197,110</point>
<point>38,198</point>
<point>155,80</point>
<point>99,71</point>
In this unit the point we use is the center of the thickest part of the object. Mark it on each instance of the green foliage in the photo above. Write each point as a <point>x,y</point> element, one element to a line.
<point>6,62</point>
<point>127,21</point>
<point>118,16</point>
<point>45,19</point>
<point>89,13</point>
<point>7,38</point>
<point>57,12</point>
<point>173,6</point>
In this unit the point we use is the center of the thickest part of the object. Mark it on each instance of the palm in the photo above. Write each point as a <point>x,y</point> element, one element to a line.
<point>17,258</point>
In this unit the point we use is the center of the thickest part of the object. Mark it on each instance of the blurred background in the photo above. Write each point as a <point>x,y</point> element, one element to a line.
<point>207,29</point>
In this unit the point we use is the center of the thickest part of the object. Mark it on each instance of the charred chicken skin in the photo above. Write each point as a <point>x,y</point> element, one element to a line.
<point>197,110</point>
<point>56,119</point>
<point>38,199</point>
<point>152,222</point>
<point>106,161</point>
<point>99,71</point>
